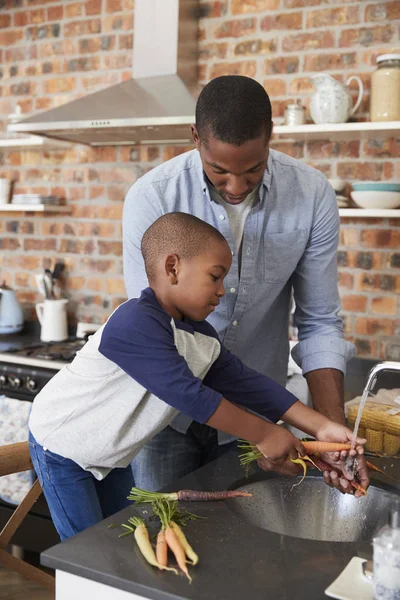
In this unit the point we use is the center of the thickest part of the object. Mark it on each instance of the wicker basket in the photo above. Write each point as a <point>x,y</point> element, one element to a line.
<point>379,426</point>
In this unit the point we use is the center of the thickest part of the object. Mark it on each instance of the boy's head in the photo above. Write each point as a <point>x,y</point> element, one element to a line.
<point>186,261</point>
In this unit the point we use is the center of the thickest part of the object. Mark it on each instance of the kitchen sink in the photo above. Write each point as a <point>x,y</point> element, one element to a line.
<point>313,510</point>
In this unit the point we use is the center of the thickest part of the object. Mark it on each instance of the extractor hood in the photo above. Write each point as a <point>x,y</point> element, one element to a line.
<point>155,106</point>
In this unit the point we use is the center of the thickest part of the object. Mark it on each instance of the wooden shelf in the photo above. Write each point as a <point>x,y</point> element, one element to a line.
<point>31,141</point>
<point>338,131</point>
<point>43,208</point>
<point>370,212</point>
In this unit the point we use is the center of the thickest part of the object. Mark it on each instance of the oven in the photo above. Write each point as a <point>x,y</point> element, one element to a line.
<point>24,371</point>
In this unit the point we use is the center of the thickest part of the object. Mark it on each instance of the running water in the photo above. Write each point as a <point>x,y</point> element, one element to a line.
<point>359,414</point>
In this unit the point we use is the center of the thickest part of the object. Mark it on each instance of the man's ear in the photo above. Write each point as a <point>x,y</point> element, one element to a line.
<point>172,265</point>
<point>195,137</point>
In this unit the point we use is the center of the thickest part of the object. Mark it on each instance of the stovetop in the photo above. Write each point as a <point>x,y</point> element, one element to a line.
<point>53,355</point>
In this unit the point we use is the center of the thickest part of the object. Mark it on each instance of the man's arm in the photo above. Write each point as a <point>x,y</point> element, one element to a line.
<point>322,352</point>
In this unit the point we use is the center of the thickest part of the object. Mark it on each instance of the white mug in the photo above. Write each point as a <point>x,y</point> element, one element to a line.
<point>52,315</point>
<point>5,189</point>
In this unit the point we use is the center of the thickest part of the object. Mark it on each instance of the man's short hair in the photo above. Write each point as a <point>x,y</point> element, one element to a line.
<point>176,233</point>
<point>233,109</point>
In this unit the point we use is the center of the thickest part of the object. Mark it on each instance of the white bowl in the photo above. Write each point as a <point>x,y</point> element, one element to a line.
<point>337,184</point>
<point>376,199</point>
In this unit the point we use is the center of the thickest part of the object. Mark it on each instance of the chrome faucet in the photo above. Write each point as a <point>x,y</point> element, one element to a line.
<point>377,369</point>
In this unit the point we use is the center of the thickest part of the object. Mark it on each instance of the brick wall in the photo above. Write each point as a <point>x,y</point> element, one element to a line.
<point>55,51</point>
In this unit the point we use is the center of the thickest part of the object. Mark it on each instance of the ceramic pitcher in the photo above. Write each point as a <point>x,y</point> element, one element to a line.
<point>332,101</point>
<point>52,315</point>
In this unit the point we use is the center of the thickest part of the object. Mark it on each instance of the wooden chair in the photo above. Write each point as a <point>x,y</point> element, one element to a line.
<point>15,458</point>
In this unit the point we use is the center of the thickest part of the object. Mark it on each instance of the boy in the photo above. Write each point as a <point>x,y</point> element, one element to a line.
<point>155,356</point>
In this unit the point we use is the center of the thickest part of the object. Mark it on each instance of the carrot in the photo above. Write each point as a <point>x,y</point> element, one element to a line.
<point>176,547</point>
<point>373,467</point>
<point>190,553</point>
<point>143,541</point>
<point>323,466</point>
<point>313,447</point>
<point>162,548</point>
<point>138,495</point>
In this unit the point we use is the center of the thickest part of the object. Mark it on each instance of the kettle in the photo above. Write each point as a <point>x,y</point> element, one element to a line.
<point>11,316</point>
<point>332,101</point>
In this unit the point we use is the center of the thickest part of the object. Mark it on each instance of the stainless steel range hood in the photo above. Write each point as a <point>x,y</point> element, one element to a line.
<point>156,106</point>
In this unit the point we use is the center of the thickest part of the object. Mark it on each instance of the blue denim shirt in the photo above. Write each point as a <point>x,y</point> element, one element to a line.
<point>289,242</point>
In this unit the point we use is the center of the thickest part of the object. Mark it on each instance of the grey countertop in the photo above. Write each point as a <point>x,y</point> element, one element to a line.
<point>237,560</point>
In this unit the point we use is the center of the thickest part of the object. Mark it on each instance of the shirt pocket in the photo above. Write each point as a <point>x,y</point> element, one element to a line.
<point>282,252</point>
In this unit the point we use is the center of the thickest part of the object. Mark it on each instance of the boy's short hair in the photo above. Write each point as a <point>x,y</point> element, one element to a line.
<point>176,233</point>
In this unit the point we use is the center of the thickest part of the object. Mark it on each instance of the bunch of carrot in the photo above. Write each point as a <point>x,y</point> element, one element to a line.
<point>251,453</point>
<point>170,536</point>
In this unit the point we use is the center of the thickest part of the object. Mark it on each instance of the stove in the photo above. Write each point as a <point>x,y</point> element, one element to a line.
<point>25,371</point>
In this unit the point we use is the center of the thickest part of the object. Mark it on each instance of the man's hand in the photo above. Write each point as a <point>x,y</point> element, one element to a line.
<point>284,468</point>
<point>334,432</point>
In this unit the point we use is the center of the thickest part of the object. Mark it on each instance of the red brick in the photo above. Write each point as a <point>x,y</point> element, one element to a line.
<point>73,10</point>
<point>333,17</point>
<point>367,36</point>
<point>294,149</point>
<point>354,303</point>
<point>114,6</point>
<point>115,286</point>
<point>239,7</point>
<point>348,237</point>
<point>5,21</point>
<point>382,148</point>
<point>383,11</point>
<point>92,265</point>
<point>380,238</point>
<point>113,212</point>
<point>300,3</point>
<point>121,61</point>
<point>275,87</point>
<point>10,243</point>
<point>48,245</point>
<point>325,168</point>
<point>300,85</point>
<point>236,28</point>
<point>364,170</point>
<point>376,282</point>
<point>328,62</point>
<point>258,47</point>
<point>55,13</point>
<point>79,28</point>
<point>393,260</point>
<point>92,7</point>
<point>117,23</point>
<point>282,21</point>
<point>92,84</point>
<point>209,51</point>
<point>244,67</point>
<point>368,326</point>
<point>385,305</point>
<point>94,284</point>
<point>366,347</point>
<point>9,38</point>
<point>308,41</point>
<point>217,8</point>
<point>345,280</point>
<point>334,149</point>
<point>60,48</point>
<point>125,42</point>
<point>20,19</point>
<point>287,64</point>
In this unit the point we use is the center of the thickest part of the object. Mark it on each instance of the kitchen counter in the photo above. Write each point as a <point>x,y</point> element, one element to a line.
<point>237,560</point>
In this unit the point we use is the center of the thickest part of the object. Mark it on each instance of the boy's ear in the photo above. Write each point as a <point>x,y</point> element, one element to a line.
<point>172,264</point>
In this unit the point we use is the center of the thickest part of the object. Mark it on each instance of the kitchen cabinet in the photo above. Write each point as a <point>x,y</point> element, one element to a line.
<point>338,131</point>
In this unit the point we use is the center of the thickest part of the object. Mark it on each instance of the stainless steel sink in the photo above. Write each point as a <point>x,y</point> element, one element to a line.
<point>313,510</point>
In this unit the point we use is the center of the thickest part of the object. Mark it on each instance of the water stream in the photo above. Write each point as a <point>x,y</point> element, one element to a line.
<point>359,414</point>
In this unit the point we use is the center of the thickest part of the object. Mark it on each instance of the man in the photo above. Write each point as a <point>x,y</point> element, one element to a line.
<point>281,221</point>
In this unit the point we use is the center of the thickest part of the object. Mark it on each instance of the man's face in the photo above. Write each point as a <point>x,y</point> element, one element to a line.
<point>234,171</point>
<point>200,285</point>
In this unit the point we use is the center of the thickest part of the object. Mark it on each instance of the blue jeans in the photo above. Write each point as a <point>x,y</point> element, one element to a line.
<point>171,455</point>
<point>76,499</point>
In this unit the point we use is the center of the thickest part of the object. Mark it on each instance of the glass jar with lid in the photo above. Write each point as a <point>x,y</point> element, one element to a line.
<point>385,89</point>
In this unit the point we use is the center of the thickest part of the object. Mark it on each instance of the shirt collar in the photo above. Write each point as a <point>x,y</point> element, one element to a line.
<point>266,180</point>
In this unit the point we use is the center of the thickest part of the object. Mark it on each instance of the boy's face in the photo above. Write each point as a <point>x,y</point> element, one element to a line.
<point>199,282</point>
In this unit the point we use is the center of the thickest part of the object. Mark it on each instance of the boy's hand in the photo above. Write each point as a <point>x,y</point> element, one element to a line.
<point>279,445</point>
<point>333,432</point>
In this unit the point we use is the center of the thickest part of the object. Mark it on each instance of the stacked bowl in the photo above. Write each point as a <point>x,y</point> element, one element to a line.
<point>376,194</point>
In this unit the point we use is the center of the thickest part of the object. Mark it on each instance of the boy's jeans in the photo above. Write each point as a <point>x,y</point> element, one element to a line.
<point>170,455</point>
<point>75,498</point>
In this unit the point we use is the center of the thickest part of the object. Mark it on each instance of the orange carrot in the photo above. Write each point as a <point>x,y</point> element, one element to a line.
<point>373,467</point>
<point>323,466</point>
<point>176,547</point>
<point>313,447</point>
<point>162,548</point>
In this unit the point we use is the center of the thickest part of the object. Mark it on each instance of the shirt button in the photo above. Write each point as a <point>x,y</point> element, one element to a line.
<point>232,253</point>
<point>232,290</point>
<point>248,251</point>
<point>244,288</point>
<point>222,217</point>
<point>234,323</point>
